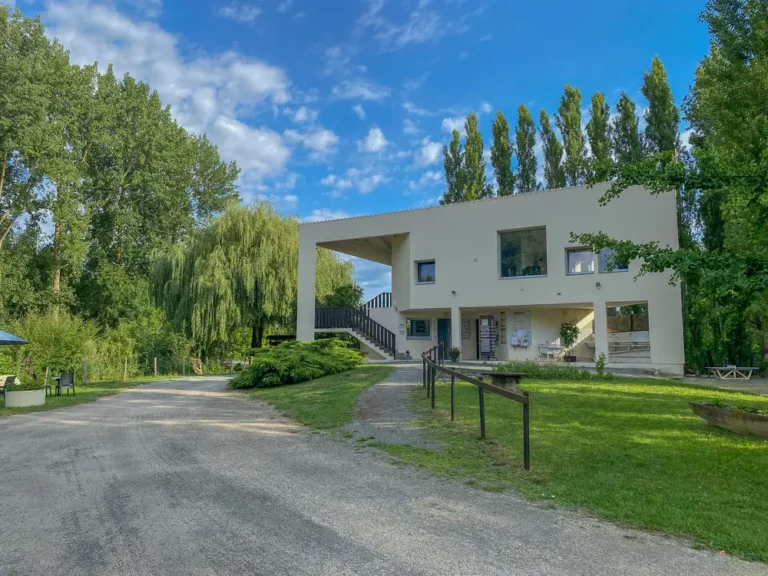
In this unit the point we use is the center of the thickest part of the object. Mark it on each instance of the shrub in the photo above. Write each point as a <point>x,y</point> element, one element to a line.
<point>538,371</point>
<point>294,362</point>
<point>600,365</point>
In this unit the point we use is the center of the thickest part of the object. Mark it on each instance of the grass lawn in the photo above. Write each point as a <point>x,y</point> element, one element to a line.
<point>629,450</point>
<point>87,393</point>
<point>327,402</point>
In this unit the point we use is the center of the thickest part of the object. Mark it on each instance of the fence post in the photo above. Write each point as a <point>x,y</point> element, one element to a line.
<point>526,436</point>
<point>85,372</point>
<point>482,413</point>
<point>434,377</point>
<point>155,364</point>
<point>184,366</point>
<point>423,372</point>
<point>453,383</point>
<point>125,369</point>
<point>429,378</point>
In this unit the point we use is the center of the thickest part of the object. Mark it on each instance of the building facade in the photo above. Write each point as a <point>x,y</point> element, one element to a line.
<point>497,278</point>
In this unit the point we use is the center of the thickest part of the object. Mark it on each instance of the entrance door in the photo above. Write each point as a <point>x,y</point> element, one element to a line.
<point>444,333</point>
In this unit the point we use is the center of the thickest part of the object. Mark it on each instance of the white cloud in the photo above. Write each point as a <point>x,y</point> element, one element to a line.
<point>409,127</point>
<point>485,38</point>
<point>486,108</point>
<point>423,25</point>
<point>285,6</point>
<point>373,142</point>
<point>148,8</point>
<point>207,93</point>
<point>359,89</point>
<point>323,214</point>
<point>366,181</point>
<point>304,114</point>
<point>451,124</point>
<point>430,177</point>
<point>359,110</point>
<point>413,84</point>
<point>338,59</point>
<point>411,108</point>
<point>240,12</point>
<point>320,141</point>
<point>427,154</point>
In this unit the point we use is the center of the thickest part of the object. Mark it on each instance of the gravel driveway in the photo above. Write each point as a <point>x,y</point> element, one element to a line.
<point>185,477</point>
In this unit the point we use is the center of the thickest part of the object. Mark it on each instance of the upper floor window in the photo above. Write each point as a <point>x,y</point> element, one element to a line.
<point>425,272</point>
<point>580,261</point>
<point>523,252</point>
<point>606,257</point>
<point>419,327</point>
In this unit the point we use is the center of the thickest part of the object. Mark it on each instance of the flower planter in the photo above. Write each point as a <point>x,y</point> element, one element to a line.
<point>24,398</point>
<point>737,421</point>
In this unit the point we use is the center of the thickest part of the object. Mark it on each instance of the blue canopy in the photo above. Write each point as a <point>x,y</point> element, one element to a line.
<point>8,339</point>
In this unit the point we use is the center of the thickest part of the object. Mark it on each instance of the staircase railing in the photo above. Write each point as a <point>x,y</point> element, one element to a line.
<point>383,300</point>
<point>356,319</point>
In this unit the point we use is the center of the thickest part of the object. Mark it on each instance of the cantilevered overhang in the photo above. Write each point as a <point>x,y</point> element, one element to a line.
<point>375,248</point>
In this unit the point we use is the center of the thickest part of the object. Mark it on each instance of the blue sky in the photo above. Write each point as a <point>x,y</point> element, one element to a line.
<point>341,107</point>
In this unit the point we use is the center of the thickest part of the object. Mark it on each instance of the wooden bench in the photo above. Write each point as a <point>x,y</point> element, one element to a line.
<point>732,372</point>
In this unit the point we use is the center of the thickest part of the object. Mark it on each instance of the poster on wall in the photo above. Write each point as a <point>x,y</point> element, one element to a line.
<point>465,329</point>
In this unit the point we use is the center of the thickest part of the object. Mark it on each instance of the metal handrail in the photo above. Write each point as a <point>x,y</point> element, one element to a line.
<point>434,361</point>
<point>357,319</point>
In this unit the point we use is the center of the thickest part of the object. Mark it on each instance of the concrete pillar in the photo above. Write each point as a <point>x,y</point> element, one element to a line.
<point>665,324</point>
<point>456,327</point>
<point>305,315</point>
<point>601,331</point>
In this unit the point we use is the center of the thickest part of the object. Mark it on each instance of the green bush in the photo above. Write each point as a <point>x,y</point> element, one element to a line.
<point>534,370</point>
<point>294,362</point>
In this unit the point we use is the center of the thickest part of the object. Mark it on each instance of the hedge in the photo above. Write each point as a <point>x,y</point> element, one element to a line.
<point>294,362</point>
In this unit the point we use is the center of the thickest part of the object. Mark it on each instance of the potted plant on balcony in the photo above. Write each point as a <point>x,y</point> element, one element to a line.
<point>569,334</point>
<point>453,354</point>
<point>27,392</point>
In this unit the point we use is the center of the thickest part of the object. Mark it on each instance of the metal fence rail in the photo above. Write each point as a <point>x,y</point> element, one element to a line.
<point>433,361</point>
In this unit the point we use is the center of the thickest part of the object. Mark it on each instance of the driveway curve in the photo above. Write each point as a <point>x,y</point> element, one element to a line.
<point>186,477</point>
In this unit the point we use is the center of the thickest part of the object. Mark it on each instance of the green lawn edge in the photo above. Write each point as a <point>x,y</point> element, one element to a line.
<point>626,450</point>
<point>83,393</point>
<point>325,403</point>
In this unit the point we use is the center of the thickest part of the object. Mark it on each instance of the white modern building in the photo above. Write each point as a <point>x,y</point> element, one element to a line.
<point>498,277</point>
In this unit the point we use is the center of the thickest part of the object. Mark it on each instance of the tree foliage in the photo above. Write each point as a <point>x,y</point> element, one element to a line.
<point>502,150</point>
<point>525,138</point>
<point>627,143</point>
<point>453,164</point>
<point>599,137</point>
<point>554,171</point>
<point>568,119</point>
<point>474,163</point>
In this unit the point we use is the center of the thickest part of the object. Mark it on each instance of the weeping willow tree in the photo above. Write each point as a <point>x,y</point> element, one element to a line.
<point>241,270</point>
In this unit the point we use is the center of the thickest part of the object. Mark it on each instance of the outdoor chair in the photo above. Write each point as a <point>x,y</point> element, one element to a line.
<point>66,380</point>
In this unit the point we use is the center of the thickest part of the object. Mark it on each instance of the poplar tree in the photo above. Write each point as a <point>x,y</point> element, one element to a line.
<point>599,135</point>
<point>502,150</point>
<point>525,138</point>
<point>453,164</point>
<point>474,163</point>
<point>662,118</point>
<point>568,119</point>
<point>554,172</point>
<point>626,141</point>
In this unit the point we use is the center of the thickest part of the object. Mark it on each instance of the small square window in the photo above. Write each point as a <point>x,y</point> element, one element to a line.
<point>580,261</point>
<point>419,327</point>
<point>606,257</point>
<point>425,272</point>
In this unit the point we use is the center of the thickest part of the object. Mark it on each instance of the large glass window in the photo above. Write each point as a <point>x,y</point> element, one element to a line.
<point>606,257</point>
<point>581,261</point>
<point>419,327</point>
<point>523,252</point>
<point>425,272</point>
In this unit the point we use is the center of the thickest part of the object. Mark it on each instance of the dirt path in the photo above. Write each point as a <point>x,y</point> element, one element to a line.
<point>188,478</point>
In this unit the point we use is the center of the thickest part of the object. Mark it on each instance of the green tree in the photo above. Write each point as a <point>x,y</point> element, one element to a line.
<point>626,141</point>
<point>474,163</point>
<point>241,270</point>
<point>455,177</point>
<point>599,135</point>
<point>343,296</point>
<point>525,138</point>
<point>502,150</point>
<point>568,119</point>
<point>662,118</point>
<point>554,172</point>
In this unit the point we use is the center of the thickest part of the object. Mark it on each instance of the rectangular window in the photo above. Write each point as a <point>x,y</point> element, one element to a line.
<point>425,272</point>
<point>523,253</point>
<point>419,327</point>
<point>606,257</point>
<point>580,261</point>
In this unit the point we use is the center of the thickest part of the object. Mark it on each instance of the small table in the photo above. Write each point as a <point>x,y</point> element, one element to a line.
<point>550,350</point>
<point>507,380</point>
<point>732,372</point>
